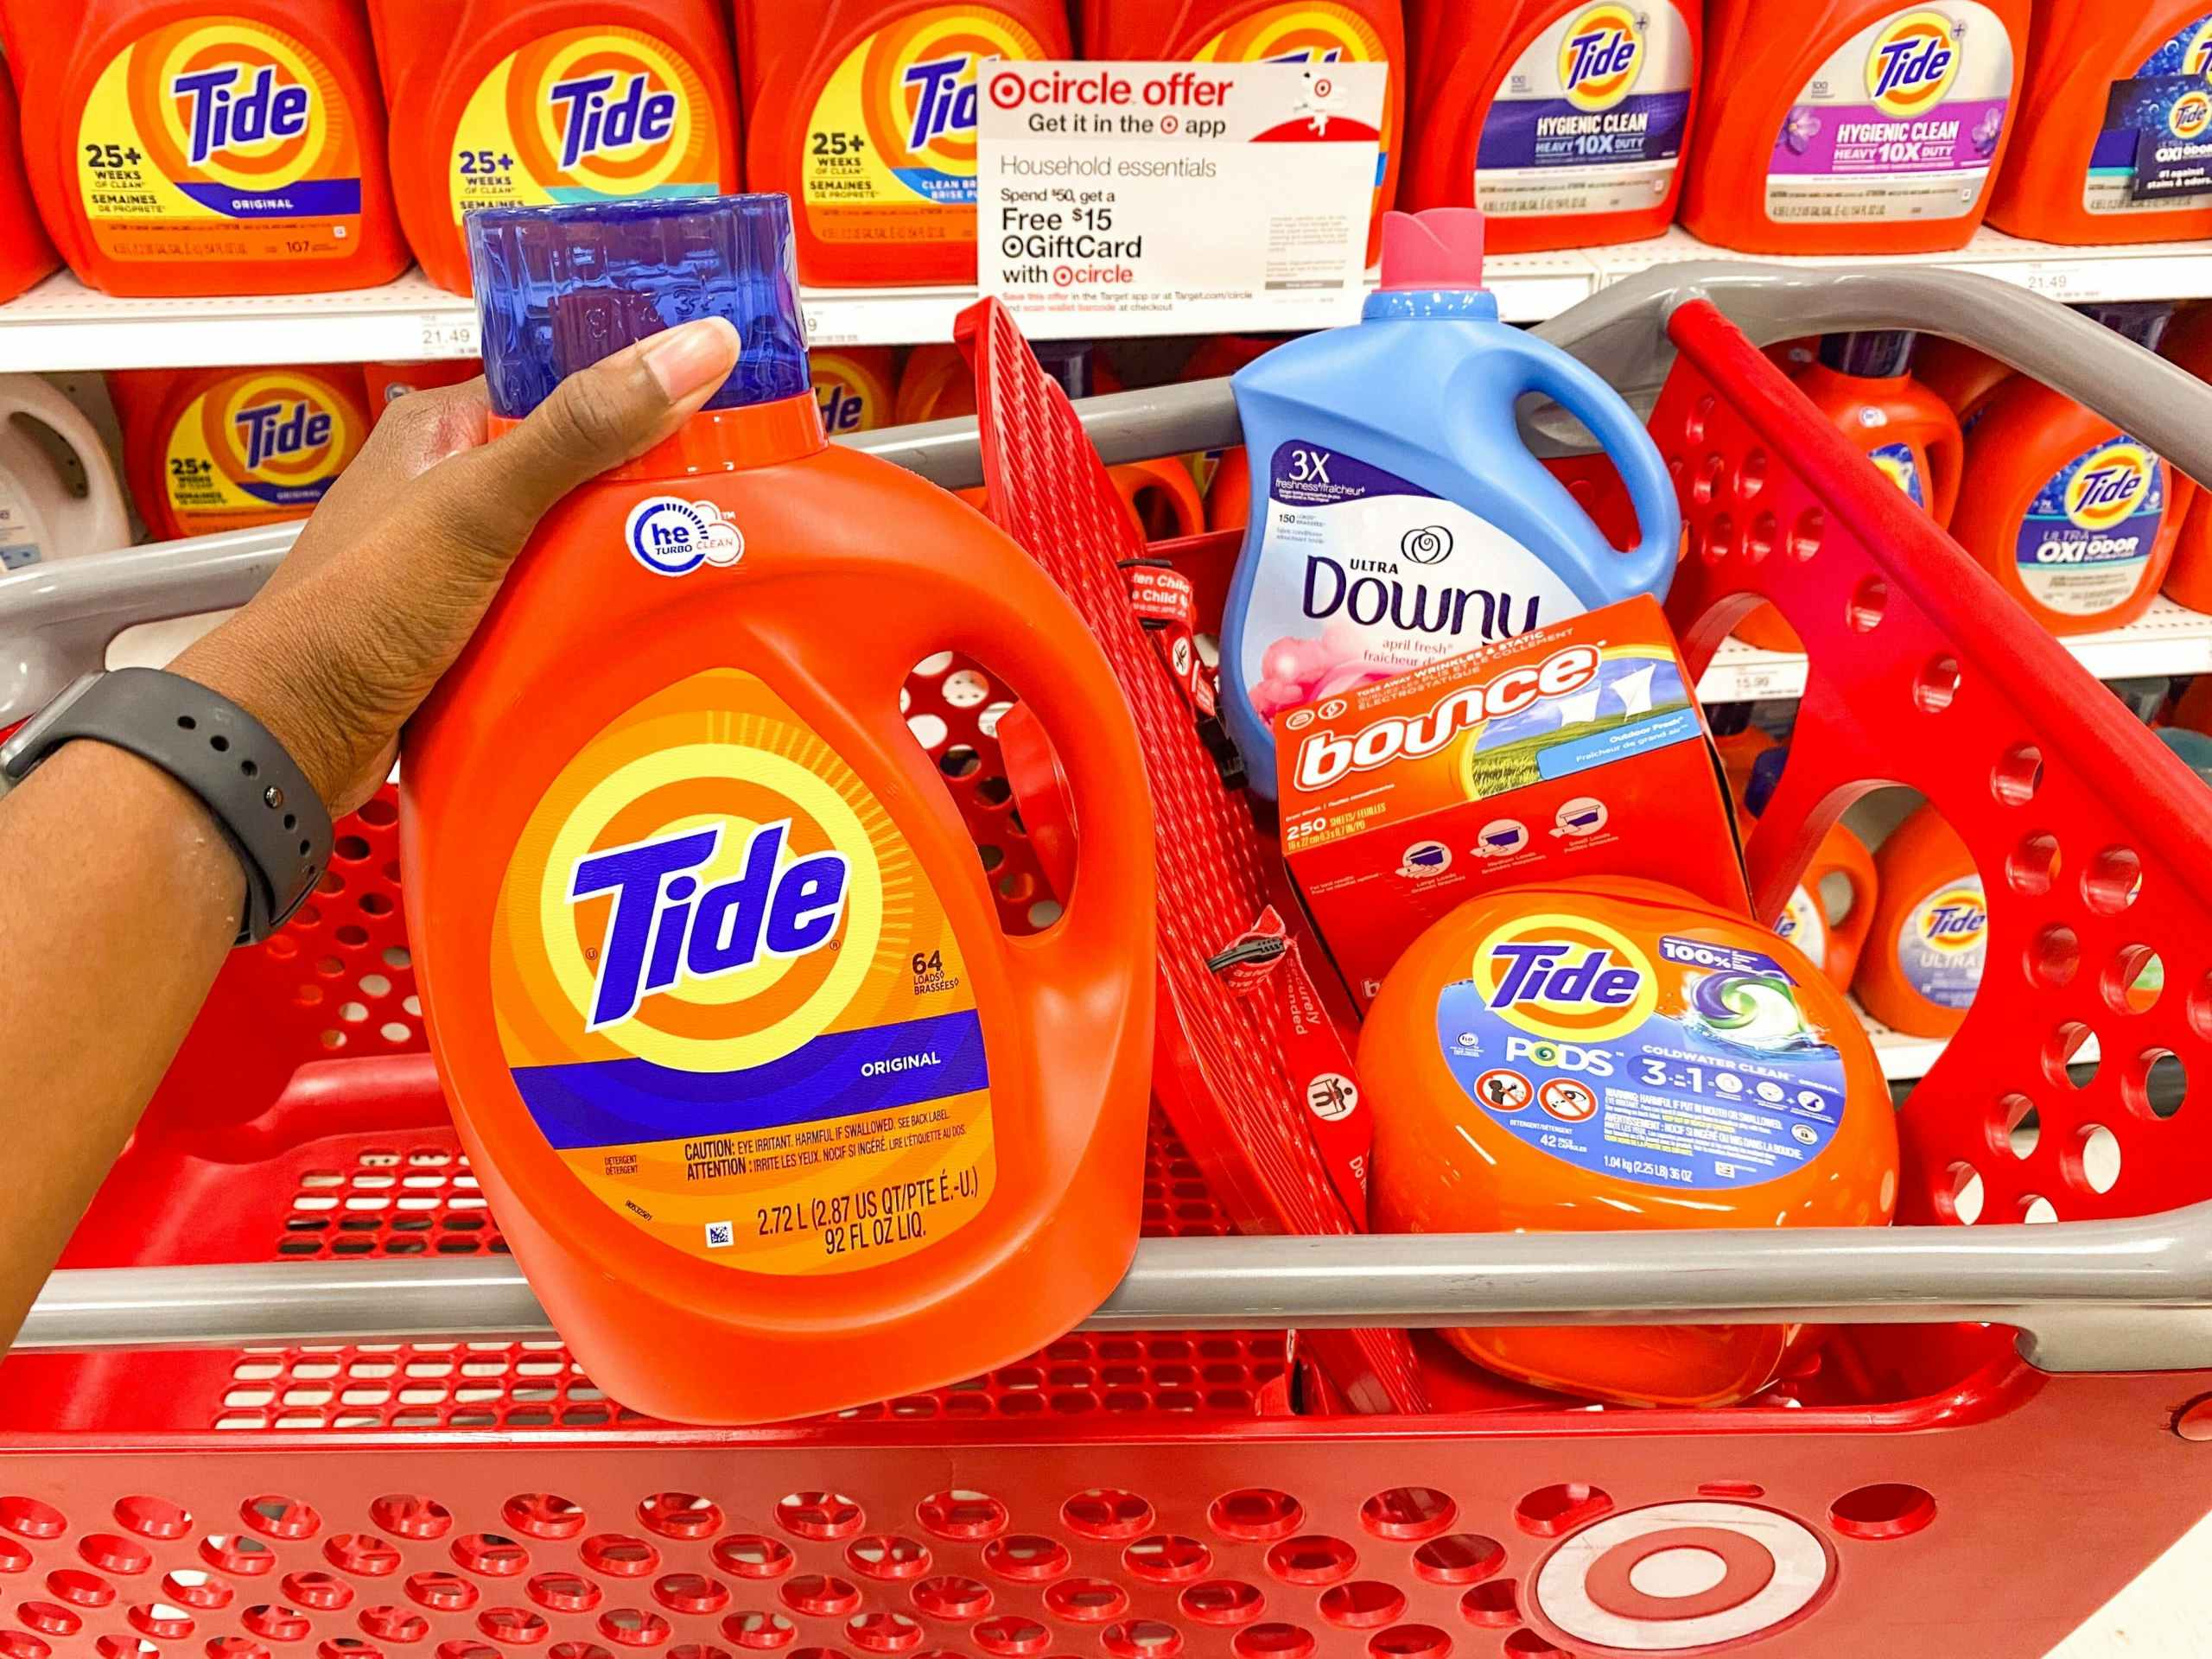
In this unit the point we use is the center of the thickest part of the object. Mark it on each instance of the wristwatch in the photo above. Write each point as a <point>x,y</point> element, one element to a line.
<point>256,792</point>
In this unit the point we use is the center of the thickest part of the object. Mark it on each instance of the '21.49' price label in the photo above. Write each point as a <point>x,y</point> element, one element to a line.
<point>1176,198</point>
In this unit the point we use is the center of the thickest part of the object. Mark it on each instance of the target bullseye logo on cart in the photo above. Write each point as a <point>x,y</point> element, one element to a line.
<point>671,536</point>
<point>1678,1577</point>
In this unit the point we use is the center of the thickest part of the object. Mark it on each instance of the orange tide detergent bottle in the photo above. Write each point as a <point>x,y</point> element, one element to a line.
<point>863,111</point>
<point>1268,31</point>
<point>1864,384</point>
<point>213,449</point>
<point>2075,519</point>
<point>2120,146</point>
<point>855,386</point>
<point>1852,126</point>
<point>1619,1055</point>
<point>505,102</point>
<point>175,150</point>
<point>775,1116</point>
<point>1925,957</point>
<point>2187,345</point>
<point>25,254</point>
<point>1563,120</point>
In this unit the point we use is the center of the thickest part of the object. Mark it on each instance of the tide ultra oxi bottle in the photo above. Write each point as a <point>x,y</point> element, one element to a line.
<point>1930,939</point>
<point>1614,1055</point>
<point>1563,120</point>
<point>1865,385</point>
<point>211,449</point>
<point>1852,126</point>
<point>177,150</point>
<point>25,253</point>
<point>501,103</point>
<point>2121,147</point>
<point>1397,515</point>
<point>775,1116</point>
<point>1268,31</point>
<point>2075,519</point>
<point>1962,377</point>
<point>863,111</point>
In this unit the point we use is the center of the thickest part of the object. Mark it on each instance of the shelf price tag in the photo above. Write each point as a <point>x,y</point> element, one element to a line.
<point>447,333</point>
<point>1176,198</point>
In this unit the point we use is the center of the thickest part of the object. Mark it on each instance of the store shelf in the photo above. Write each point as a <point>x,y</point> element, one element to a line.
<point>61,325</point>
<point>2167,639</point>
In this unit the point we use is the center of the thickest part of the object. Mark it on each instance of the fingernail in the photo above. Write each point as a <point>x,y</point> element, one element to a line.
<point>695,355</point>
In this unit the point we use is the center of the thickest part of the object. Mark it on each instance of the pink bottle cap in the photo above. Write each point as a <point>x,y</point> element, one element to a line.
<point>1441,248</point>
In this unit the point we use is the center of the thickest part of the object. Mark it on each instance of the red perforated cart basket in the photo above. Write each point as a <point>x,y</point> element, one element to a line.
<point>290,1397</point>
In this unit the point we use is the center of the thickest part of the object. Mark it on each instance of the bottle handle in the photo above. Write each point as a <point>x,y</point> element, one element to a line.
<point>1579,391</point>
<point>1018,624</point>
<point>1854,926</point>
<point>105,522</point>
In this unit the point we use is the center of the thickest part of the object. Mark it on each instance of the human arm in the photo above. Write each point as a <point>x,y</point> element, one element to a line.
<point>119,896</point>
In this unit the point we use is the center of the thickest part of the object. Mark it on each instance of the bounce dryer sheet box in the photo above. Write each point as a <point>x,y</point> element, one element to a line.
<point>1574,749</point>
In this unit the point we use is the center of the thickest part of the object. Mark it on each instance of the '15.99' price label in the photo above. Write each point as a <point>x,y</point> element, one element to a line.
<point>1176,198</point>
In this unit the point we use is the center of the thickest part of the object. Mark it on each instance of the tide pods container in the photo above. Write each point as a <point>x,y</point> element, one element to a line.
<point>1614,1055</point>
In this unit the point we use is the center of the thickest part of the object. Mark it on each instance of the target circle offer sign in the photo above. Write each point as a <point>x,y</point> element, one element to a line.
<point>1678,1577</point>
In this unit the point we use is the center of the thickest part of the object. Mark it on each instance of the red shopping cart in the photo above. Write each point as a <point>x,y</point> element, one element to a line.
<point>358,1438</point>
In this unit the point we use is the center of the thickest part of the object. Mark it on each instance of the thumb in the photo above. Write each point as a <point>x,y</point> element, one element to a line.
<point>598,417</point>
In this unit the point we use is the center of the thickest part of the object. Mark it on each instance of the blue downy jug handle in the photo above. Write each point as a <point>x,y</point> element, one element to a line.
<point>1650,567</point>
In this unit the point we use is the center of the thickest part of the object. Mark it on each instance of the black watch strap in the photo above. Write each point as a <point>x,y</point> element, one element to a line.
<point>255,792</point>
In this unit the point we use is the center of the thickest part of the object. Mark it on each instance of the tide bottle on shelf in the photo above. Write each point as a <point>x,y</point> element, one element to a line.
<point>1864,383</point>
<point>385,383</point>
<point>864,112</point>
<point>1397,515</point>
<point>1852,126</point>
<point>26,255</point>
<point>1565,121</point>
<point>1486,1057</point>
<point>855,386</point>
<point>212,449</point>
<point>502,102</point>
<point>775,1116</point>
<point>2075,519</point>
<point>44,517</point>
<point>175,151</point>
<point>2187,345</point>
<point>1270,31</point>
<point>2120,147</point>
<point>1930,935</point>
<point>1831,910</point>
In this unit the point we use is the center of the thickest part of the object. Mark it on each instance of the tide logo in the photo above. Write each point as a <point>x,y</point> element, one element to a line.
<point>2191,115</point>
<point>2196,53</point>
<point>1600,57</point>
<point>1912,65</point>
<point>1954,920</point>
<point>666,926</point>
<point>1565,978</point>
<point>279,435</point>
<point>614,112</point>
<point>919,88</point>
<point>239,106</point>
<point>231,102</point>
<point>2110,485</point>
<point>609,112</point>
<point>281,429</point>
